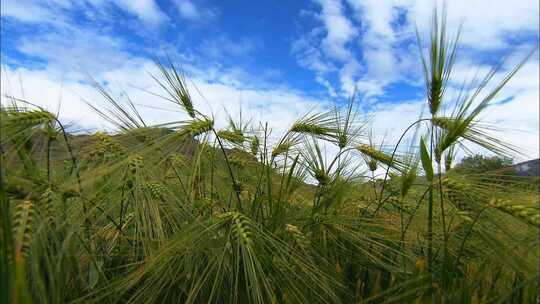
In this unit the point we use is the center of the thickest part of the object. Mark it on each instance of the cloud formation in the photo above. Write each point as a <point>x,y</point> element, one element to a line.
<point>370,45</point>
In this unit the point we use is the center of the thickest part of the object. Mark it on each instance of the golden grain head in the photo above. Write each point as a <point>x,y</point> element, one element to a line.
<point>309,128</point>
<point>321,176</point>
<point>376,154</point>
<point>231,136</point>
<point>197,127</point>
<point>254,145</point>
<point>25,119</point>
<point>527,214</point>
<point>281,148</point>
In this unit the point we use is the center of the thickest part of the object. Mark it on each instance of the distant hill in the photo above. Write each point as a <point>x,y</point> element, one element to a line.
<point>527,168</point>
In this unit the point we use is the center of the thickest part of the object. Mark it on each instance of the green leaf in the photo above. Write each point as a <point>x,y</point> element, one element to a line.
<point>93,273</point>
<point>426,160</point>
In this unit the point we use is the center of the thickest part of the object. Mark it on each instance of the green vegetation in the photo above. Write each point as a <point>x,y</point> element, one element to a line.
<point>183,212</point>
<point>481,164</point>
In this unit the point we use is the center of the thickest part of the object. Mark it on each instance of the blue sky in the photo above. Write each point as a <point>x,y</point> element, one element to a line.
<point>275,59</point>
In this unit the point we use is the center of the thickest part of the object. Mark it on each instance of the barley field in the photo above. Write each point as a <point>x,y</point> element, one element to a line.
<point>185,212</point>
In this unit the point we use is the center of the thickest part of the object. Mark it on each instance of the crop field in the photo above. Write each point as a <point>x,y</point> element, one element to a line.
<point>186,212</point>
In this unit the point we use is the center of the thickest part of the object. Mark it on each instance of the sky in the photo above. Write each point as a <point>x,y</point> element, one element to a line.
<point>275,60</point>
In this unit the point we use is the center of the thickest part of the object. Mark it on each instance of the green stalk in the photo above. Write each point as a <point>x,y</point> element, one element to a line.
<point>6,278</point>
<point>23,151</point>
<point>277,212</point>
<point>338,156</point>
<point>465,238</point>
<point>78,176</point>
<point>443,215</point>
<point>379,204</point>
<point>49,142</point>
<point>373,183</point>
<point>122,197</point>
<point>412,216</point>
<point>259,183</point>
<point>430,212</point>
<point>235,185</point>
<point>268,167</point>
<point>212,172</point>
<point>282,177</point>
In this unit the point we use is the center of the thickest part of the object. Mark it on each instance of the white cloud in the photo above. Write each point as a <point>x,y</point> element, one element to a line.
<point>309,55</point>
<point>327,46</point>
<point>386,58</point>
<point>486,24</point>
<point>146,10</point>
<point>49,11</point>
<point>224,47</point>
<point>73,49</point>
<point>187,9</point>
<point>347,76</point>
<point>519,116</point>
<point>327,85</point>
<point>278,107</point>
<point>377,14</point>
<point>382,40</point>
<point>339,30</point>
<point>195,13</point>
<point>24,10</point>
<point>515,121</point>
<point>41,88</point>
<point>481,29</point>
<point>363,53</point>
